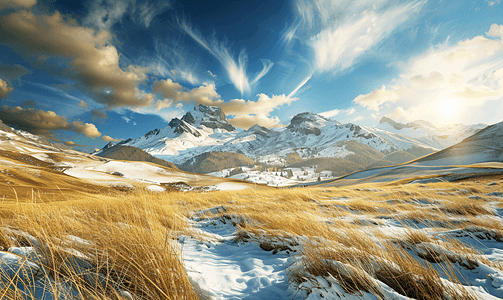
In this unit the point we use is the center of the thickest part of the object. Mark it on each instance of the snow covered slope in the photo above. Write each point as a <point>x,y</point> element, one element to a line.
<point>481,153</point>
<point>484,146</point>
<point>310,135</point>
<point>30,161</point>
<point>427,133</point>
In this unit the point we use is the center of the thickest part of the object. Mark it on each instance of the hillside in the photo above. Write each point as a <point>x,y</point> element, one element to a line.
<point>215,161</point>
<point>206,129</point>
<point>122,152</point>
<point>338,166</point>
<point>484,146</point>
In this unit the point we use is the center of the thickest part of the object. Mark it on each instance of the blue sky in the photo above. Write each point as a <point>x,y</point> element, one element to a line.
<point>90,72</point>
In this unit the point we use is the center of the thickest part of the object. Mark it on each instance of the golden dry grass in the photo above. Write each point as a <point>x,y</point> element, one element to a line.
<point>131,234</point>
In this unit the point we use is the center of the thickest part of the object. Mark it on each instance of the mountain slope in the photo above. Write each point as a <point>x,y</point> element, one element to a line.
<point>122,152</point>
<point>438,138</point>
<point>484,146</point>
<point>309,135</point>
<point>215,161</point>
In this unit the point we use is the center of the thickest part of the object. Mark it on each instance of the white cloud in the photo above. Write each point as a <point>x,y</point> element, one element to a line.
<point>246,121</point>
<point>300,85</point>
<point>336,47</point>
<point>495,31</point>
<point>447,83</point>
<point>340,32</point>
<point>267,65</point>
<point>492,3</point>
<point>236,69</point>
<point>241,109</point>
<point>107,138</point>
<point>105,13</point>
<point>330,113</point>
<point>146,12</point>
<point>350,111</point>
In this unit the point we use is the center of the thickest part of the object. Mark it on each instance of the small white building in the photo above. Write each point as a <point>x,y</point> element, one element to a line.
<point>326,174</point>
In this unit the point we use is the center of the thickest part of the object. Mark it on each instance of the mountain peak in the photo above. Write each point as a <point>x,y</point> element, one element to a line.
<point>209,116</point>
<point>307,123</point>
<point>260,130</point>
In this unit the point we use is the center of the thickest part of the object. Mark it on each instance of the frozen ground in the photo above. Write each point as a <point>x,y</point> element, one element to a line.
<point>224,261</point>
<point>223,267</point>
<point>286,177</point>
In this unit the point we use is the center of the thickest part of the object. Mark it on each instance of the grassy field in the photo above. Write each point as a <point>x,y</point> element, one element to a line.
<point>123,245</point>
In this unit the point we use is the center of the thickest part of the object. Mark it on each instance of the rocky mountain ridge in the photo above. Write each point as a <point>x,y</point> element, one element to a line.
<point>206,129</point>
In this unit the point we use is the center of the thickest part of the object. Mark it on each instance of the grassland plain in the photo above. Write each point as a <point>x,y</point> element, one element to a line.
<point>415,241</point>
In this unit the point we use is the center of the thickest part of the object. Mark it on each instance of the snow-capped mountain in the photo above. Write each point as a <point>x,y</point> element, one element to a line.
<point>484,146</point>
<point>427,133</point>
<point>19,137</point>
<point>310,135</point>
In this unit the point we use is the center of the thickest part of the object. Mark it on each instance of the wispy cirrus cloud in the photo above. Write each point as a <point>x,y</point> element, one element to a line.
<point>174,61</point>
<point>236,69</point>
<point>340,32</point>
<point>105,13</point>
<point>145,12</point>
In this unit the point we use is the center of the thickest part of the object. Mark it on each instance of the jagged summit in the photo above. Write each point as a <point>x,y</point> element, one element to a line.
<point>308,123</point>
<point>260,130</point>
<point>209,116</point>
<point>181,126</point>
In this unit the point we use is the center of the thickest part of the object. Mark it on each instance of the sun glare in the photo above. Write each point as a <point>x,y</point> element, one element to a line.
<point>448,108</point>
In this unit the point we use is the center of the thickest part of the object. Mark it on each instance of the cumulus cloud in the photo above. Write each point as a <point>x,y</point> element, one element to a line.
<point>495,31</point>
<point>17,3</point>
<point>93,61</point>
<point>83,104</point>
<point>340,32</point>
<point>86,129</point>
<point>5,89</point>
<point>43,123</point>
<point>247,121</point>
<point>447,83</point>
<point>107,138</point>
<point>72,144</point>
<point>259,110</point>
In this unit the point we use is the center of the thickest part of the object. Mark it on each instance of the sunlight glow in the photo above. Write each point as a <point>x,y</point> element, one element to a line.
<point>448,108</point>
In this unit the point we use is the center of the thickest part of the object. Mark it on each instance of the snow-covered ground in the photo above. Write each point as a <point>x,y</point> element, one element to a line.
<point>285,177</point>
<point>228,262</point>
<point>99,170</point>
